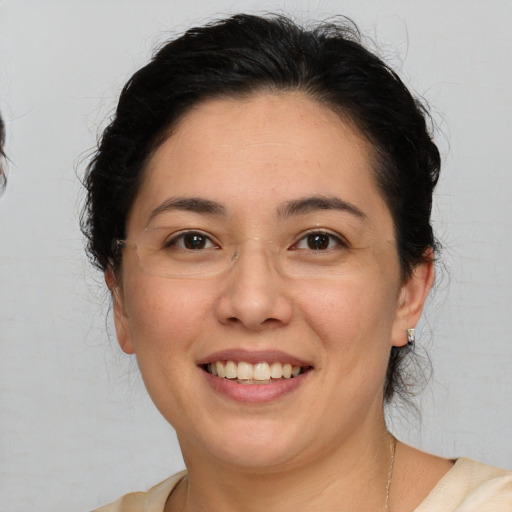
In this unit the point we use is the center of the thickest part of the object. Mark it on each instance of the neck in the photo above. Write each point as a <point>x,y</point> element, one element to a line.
<point>350,477</point>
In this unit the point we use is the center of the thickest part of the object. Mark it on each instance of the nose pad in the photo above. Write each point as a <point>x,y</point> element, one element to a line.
<point>235,256</point>
<point>254,293</point>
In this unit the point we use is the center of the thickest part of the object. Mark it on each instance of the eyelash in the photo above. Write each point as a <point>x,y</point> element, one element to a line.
<point>175,240</point>
<point>180,237</point>
<point>337,239</point>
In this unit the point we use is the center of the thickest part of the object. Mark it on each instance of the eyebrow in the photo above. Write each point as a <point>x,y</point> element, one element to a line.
<point>314,203</point>
<point>300,206</point>
<point>189,204</point>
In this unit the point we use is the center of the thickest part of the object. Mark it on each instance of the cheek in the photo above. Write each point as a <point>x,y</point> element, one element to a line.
<point>351,323</point>
<point>350,314</point>
<point>164,314</point>
<point>166,318</point>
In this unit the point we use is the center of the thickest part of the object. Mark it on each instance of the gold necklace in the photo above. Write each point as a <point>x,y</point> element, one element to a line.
<point>392,446</point>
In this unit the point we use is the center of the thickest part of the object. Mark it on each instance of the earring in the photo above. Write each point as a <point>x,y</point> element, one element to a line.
<point>411,337</point>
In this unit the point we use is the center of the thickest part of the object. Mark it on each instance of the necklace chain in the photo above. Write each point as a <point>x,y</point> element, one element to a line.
<point>392,447</point>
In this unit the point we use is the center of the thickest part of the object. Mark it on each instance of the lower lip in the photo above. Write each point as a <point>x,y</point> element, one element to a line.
<point>255,393</point>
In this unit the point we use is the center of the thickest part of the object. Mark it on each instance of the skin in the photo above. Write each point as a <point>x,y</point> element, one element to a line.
<point>253,156</point>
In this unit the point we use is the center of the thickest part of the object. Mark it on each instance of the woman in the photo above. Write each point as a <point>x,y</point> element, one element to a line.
<point>260,206</point>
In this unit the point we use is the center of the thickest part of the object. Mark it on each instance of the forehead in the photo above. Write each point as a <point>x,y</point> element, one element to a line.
<point>258,149</point>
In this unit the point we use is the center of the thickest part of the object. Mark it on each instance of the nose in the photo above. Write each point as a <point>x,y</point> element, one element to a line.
<point>254,295</point>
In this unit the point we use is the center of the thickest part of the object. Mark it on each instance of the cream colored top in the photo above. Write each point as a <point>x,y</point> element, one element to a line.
<point>468,487</point>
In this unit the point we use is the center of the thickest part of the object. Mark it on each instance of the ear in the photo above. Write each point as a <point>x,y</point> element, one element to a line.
<point>411,300</point>
<point>121,320</point>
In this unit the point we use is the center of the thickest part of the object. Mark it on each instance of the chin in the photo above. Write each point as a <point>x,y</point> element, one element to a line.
<point>250,446</point>
<point>257,456</point>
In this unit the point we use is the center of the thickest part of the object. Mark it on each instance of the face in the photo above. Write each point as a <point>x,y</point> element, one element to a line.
<point>284,184</point>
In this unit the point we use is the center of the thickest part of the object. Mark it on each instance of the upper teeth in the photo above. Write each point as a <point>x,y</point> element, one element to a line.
<point>246,371</point>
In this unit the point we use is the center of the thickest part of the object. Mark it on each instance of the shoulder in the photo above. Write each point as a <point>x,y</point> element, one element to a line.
<point>153,500</point>
<point>471,487</point>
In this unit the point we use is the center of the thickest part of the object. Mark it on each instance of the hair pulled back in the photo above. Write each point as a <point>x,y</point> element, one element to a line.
<point>244,55</point>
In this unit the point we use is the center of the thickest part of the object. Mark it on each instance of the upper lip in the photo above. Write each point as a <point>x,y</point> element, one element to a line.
<point>253,357</point>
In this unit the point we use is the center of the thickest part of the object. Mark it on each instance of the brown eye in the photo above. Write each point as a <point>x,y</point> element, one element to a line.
<point>191,241</point>
<point>194,241</point>
<point>318,241</point>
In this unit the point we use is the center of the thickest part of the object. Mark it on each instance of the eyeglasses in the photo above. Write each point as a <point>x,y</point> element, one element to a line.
<point>195,254</point>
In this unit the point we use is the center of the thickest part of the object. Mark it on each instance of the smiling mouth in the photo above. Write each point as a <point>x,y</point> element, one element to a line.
<point>260,373</point>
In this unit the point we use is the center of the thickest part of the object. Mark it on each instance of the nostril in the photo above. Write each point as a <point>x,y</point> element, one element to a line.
<point>268,322</point>
<point>254,298</point>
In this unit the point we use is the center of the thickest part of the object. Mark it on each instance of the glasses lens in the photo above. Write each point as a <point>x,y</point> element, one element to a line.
<point>191,254</point>
<point>186,254</point>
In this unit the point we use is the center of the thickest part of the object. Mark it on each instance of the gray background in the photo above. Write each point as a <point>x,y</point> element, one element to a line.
<point>76,428</point>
